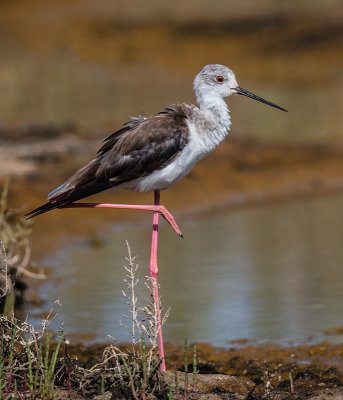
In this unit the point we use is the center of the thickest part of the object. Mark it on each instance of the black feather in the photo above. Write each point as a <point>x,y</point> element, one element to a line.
<point>140,147</point>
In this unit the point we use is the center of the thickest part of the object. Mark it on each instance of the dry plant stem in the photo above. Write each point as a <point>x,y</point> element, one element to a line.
<point>4,271</point>
<point>156,208</point>
<point>133,303</point>
<point>153,269</point>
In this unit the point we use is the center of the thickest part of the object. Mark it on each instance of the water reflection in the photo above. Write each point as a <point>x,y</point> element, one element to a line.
<point>265,272</point>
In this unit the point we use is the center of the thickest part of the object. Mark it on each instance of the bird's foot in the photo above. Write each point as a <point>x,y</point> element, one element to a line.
<point>169,218</point>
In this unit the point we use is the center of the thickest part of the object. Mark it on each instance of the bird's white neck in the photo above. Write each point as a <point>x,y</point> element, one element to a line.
<point>215,121</point>
<point>216,107</point>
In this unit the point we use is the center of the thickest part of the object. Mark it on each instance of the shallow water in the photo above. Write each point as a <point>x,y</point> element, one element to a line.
<point>264,272</point>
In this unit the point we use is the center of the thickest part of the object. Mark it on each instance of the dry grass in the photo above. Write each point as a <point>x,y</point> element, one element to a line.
<point>28,360</point>
<point>15,253</point>
<point>36,365</point>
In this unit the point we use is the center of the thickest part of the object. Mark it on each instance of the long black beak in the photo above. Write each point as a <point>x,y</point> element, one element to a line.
<point>244,92</point>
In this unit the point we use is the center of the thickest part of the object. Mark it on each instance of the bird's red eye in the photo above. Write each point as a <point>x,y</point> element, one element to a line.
<point>220,79</point>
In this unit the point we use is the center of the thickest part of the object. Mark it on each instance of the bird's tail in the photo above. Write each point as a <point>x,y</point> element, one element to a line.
<point>69,197</point>
<point>42,209</point>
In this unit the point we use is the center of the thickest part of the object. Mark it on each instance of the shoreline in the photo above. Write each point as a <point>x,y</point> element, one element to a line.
<point>265,371</point>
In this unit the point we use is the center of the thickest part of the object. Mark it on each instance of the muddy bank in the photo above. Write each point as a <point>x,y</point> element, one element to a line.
<point>249,371</point>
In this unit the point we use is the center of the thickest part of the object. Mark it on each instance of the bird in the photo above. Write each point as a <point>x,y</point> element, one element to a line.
<point>152,153</point>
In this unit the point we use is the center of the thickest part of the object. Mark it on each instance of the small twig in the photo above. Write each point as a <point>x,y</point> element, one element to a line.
<point>185,356</point>
<point>291,383</point>
<point>5,270</point>
<point>195,368</point>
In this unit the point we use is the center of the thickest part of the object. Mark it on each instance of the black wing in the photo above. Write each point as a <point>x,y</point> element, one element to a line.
<point>141,147</point>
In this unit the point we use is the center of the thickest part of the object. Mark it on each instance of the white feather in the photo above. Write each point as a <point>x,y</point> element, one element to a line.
<point>205,131</point>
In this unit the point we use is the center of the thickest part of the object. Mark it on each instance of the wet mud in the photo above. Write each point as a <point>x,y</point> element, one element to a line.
<point>247,371</point>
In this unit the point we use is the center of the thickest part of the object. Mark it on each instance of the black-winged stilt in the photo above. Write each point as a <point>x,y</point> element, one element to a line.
<point>150,154</point>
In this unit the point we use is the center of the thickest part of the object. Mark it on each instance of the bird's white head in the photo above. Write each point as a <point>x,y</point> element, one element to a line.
<point>216,82</point>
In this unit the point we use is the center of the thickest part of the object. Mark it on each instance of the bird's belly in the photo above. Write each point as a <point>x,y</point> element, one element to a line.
<point>165,177</point>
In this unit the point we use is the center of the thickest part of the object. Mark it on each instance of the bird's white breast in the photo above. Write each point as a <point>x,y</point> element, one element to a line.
<point>198,146</point>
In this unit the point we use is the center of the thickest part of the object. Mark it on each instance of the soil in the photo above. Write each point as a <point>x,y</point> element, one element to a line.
<point>247,371</point>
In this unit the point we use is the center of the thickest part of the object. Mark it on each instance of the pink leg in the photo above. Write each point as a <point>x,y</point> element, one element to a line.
<point>155,208</point>
<point>153,269</point>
